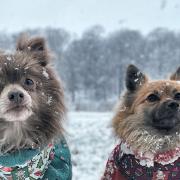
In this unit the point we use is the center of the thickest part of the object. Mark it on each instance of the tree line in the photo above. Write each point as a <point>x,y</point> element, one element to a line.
<point>92,66</point>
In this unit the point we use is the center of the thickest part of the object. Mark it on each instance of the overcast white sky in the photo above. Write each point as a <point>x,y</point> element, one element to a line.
<point>78,15</point>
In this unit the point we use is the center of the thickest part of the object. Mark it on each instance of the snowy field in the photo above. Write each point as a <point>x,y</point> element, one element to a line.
<point>91,140</point>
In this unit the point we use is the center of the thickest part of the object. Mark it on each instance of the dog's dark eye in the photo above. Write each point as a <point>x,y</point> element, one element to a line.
<point>177,96</point>
<point>153,98</point>
<point>28,82</point>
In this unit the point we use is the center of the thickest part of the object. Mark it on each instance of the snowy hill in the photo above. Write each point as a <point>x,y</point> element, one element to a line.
<point>91,141</point>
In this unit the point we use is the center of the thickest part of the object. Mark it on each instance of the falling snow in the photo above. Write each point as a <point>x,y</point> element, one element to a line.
<point>123,109</point>
<point>45,73</point>
<point>49,101</point>
<point>9,58</point>
<point>91,141</point>
<point>136,80</point>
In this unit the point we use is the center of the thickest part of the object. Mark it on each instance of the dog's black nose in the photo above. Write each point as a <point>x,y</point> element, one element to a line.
<point>172,105</point>
<point>166,116</point>
<point>168,108</point>
<point>16,96</point>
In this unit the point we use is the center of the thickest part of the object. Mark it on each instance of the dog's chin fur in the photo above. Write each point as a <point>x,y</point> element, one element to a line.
<point>39,122</point>
<point>27,134</point>
<point>14,116</point>
<point>143,138</point>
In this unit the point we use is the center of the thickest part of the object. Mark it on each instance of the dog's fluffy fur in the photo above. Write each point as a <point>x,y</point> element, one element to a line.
<point>136,119</point>
<point>40,119</point>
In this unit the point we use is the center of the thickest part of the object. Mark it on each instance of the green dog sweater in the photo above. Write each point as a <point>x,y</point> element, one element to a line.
<point>51,163</point>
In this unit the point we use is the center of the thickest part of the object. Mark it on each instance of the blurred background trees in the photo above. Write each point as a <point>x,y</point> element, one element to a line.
<point>93,66</point>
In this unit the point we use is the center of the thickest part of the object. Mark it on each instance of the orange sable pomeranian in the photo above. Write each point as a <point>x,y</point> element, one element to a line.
<point>147,123</point>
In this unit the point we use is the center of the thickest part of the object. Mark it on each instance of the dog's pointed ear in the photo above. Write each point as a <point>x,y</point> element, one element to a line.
<point>134,78</point>
<point>176,76</point>
<point>36,47</point>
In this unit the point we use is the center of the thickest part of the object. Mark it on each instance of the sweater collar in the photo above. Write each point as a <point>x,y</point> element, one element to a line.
<point>26,164</point>
<point>148,159</point>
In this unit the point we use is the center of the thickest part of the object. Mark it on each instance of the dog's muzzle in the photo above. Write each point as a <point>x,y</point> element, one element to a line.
<point>166,116</point>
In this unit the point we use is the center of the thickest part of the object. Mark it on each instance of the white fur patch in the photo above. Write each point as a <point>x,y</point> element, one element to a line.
<point>18,116</point>
<point>5,105</point>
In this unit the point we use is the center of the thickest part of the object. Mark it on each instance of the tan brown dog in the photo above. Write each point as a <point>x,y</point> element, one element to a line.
<point>148,124</point>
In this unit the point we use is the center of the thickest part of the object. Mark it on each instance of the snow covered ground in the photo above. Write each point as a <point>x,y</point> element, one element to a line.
<point>91,140</point>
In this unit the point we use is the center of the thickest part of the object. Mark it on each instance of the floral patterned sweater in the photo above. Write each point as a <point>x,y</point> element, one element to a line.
<point>124,164</point>
<point>51,163</point>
